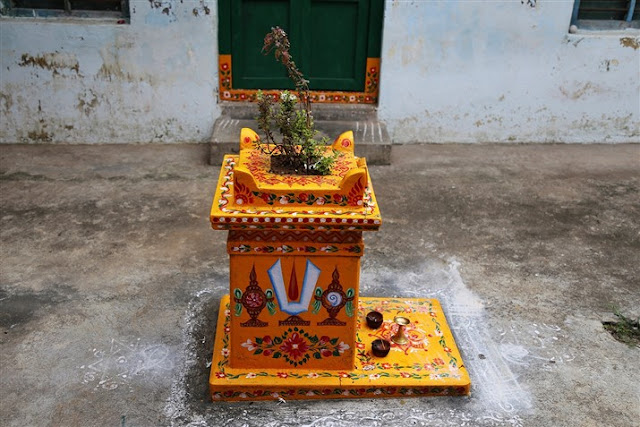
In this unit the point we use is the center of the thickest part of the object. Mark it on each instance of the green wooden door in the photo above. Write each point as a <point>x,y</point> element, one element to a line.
<point>330,39</point>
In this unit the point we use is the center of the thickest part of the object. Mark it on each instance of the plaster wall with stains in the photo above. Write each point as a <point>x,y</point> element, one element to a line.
<point>505,72</point>
<point>76,80</point>
<point>451,72</point>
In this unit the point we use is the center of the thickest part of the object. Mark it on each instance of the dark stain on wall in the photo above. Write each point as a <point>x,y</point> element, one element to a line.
<point>203,8</point>
<point>40,135</point>
<point>630,42</point>
<point>50,61</point>
<point>87,102</point>
<point>6,101</point>
<point>165,7</point>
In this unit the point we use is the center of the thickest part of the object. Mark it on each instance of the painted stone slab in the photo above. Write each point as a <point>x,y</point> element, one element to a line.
<point>428,365</point>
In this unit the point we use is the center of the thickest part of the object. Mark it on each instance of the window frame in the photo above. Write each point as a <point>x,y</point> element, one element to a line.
<point>7,9</point>
<point>605,24</point>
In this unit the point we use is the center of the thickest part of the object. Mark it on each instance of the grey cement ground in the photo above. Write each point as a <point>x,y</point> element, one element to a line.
<point>111,278</point>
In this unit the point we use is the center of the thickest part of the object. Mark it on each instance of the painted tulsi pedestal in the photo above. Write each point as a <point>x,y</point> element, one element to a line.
<point>293,324</point>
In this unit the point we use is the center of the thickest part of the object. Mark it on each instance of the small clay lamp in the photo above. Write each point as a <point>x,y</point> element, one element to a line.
<point>374,319</point>
<point>380,348</point>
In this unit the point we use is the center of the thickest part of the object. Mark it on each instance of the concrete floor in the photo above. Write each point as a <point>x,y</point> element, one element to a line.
<point>111,278</point>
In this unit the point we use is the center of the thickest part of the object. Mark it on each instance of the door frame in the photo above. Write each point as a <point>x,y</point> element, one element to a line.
<point>368,94</point>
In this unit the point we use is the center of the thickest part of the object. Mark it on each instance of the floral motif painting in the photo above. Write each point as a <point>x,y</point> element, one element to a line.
<point>296,346</point>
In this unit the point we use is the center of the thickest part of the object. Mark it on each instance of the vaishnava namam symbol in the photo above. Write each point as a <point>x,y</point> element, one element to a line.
<point>292,300</point>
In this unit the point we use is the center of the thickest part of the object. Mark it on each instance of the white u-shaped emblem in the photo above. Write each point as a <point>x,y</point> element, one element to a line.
<point>311,275</point>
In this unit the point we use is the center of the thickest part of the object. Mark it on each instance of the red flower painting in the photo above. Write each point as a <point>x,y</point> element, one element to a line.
<point>295,347</point>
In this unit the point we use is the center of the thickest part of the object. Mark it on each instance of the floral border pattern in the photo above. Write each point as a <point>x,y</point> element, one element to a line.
<point>302,219</point>
<point>369,96</point>
<point>339,392</point>
<point>295,236</point>
<point>309,199</point>
<point>354,198</point>
<point>296,346</point>
<point>286,249</point>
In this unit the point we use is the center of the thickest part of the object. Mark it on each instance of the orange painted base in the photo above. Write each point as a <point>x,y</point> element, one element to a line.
<point>428,365</point>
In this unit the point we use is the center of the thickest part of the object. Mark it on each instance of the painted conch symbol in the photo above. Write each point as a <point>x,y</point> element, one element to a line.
<point>287,297</point>
<point>333,299</point>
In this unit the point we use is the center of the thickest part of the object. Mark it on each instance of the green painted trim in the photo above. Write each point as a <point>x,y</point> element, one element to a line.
<point>376,18</point>
<point>224,27</point>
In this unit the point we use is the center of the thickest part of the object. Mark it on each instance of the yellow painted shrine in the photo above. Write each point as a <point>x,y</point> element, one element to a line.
<point>293,324</point>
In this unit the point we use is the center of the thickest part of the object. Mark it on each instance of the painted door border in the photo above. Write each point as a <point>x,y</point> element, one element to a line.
<point>372,69</point>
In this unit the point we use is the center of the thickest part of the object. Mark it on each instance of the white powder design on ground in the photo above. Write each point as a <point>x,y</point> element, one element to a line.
<point>490,354</point>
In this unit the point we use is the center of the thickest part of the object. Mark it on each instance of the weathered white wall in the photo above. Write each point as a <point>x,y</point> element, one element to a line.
<point>74,81</point>
<point>479,71</point>
<point>452,71</point>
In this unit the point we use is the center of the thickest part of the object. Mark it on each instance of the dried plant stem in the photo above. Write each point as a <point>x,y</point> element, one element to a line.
<point>277,40</point>
<point>298,152</point>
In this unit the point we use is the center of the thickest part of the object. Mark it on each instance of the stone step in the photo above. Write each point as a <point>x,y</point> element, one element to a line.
<point>371,137</point>
<point>249,110</point>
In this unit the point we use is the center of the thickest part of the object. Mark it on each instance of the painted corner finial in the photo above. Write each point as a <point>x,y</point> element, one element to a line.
<point>247,138</point>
